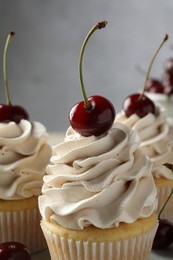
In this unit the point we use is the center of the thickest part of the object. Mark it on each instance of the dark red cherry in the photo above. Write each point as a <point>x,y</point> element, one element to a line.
<point>168,66</point>
<point>154,86</point>
<point>168,83</point>
<point>94,115</point>
<point>14,251</point>
<point>164,235</point>
<point>138,104</point>
<point>12,113</point>
<point>96,120</point>
<point>9,112</point>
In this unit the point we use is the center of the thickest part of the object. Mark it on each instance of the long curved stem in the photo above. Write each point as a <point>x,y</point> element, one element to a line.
<point>100,25</point>
<point>8,101</point>
<point>151,63</point>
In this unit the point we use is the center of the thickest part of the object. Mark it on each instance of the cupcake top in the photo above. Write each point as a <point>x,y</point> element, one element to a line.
<point>154,134</point>
<point>24,155</point>
<point>98,181</point>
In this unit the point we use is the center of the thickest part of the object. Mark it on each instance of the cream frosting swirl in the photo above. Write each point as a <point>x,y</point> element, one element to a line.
<point>155,141</point>
<point>98,181</point>
<point>24,155</point>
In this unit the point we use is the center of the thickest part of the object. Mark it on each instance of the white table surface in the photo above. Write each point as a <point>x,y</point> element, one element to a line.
<point>160,255</point>
<point>56,138</point>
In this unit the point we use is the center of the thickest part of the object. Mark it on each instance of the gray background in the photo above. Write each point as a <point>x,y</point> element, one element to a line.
<point>43,55</point>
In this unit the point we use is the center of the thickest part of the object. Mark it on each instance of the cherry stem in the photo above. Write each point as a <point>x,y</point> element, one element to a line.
<point>8,101</point>
<point>100,25</point>
<point>165,203</point>
<point>151,63</point>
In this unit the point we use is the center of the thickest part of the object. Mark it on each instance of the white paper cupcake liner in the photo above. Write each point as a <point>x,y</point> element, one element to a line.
<point>24,227</point>
<point>163,193</point>
<point>135,248</point>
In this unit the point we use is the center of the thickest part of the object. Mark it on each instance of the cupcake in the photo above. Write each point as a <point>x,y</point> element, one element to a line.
<point>99,197</point>
<point>154,132</point>
<point>24,156</point>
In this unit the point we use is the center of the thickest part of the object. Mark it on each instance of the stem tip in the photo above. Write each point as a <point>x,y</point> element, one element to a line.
<point>12,33</point>
<point>166,37</point>
<point>102,24</point>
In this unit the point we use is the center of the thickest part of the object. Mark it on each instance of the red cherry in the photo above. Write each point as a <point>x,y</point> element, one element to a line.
<point>14,251</point>
<point>140,105</point>
<point>164,235</point>
<point>154,86</point>
<point>12,113</point>
<point>9,112</point>
<point>96,120</point>
<point>94,115</point>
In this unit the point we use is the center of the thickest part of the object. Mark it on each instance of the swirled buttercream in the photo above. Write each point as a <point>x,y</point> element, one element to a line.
<point>24,155</point>
<point>98,181</point>
<point>155,142</point>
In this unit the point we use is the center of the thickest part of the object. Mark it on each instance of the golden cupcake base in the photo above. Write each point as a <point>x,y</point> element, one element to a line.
<point>127,242</point>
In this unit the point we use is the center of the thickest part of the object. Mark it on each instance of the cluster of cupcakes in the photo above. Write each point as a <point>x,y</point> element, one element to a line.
<point>99,192</point>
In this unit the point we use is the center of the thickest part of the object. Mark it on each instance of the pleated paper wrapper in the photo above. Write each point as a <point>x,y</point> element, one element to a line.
<point>24,227</point>
<point>135,248</point>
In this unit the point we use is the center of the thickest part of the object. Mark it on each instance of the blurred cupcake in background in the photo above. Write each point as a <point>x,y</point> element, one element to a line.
<point>24,155</point>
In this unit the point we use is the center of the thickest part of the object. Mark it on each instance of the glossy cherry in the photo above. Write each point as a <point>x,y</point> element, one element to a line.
<point>94,115</point>
<point>9,112</point>
<point>14,251</point>
<point>93,121</point>
<point>164,235</point>
<point>139,103</point>
<point>154,86</point>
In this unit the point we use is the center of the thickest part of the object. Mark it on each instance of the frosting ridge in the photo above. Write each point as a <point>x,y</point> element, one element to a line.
<point>24,154</point>
<point>155,142</point>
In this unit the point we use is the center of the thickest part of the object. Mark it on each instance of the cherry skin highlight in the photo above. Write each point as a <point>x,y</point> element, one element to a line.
<point>95,120</point>
<point>140,105</point>
<point>13,113</point>
<point>164,235</point>
<point>14,251</point>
